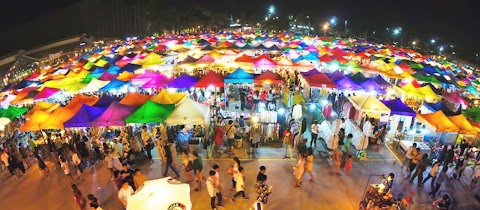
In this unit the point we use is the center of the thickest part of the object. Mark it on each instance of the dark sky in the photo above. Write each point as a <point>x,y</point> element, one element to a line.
<point>450,22</point>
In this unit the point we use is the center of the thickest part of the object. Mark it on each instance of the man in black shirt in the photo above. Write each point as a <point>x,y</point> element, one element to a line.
<point>127,175</point>
<point>261,174</point>
<point>242,99</point>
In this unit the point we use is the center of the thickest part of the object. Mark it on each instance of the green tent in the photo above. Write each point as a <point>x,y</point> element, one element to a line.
<point>12,112</point>
<point>472,113</point>
<point>416,66</point>
<point>151,112</point>
<point>352,65</point>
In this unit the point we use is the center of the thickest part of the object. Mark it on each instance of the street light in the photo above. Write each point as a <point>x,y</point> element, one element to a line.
<point>271,10</point>
<point>325,28</point>
<point>432,41</point>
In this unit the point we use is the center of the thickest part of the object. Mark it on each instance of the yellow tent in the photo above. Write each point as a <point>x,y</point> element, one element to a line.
<point>101,63</point>
<point>151,59</point>
<point>410,90</point>
<point>438,122</point>
<point>370,104</point>
<point>75,87</point>
<point>33,124</point>
<point>462,123</point>
<point>428,92</point>
<point>126,76</point>
<point>43,106</point>
<point>59,84</point>
<point>164,97</point>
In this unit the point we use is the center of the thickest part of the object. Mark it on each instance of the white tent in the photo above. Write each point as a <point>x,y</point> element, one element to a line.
<point>94,85</point>
<point>189,112</point>
<point>165,193</point>
<point>3,122</point>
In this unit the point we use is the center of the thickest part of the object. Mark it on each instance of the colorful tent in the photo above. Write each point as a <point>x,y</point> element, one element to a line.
<point>135,99</point>
<point>371,86</point>
<point>145,77</point>
<point>113,85</point>
<point>94,85</point>
<point>268,77</point>
<point>438,122</point>
<point>151,112</point>
<point>212,79</point>
<point>46,93</point>
<point>84,116</point>
<point>126,76</point>
<point>76,103</point>
<point>189,112</point>
<point>105,100</point>
<point>206,59</point>
<point>264,61</point>
<point>347,84</point>
<point>23,94</point>
<point>320,81</point>
<point>367,103</point>
<point>184,81</point>
<point>57,118</point>
<point>336,75</point>
<point>108,76</point>
<point>411,90</point>
<point>381,82</point>
<point>472,113</point>
<point>399,108</point>
<point>244,59</point>
<point>239,76</point>
<point>358,78</point>
<point>158,81</point>
<point>310,73</point>
<point>43,106</point>
<point>463,125</point>
<point>428,92</point>
<point>165,97</point>
<point>3,122</point>
<point>455,97</point>
<point>114,115</point>
<point>12,112</point>
<point>33,124</point>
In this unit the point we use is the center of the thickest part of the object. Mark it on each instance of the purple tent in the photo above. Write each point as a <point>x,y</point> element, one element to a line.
<point>371,85</point>
<point>347,84</point>
<point>399,108</point>
<point>336,75</point>
<point>310,73</point>
<point>114,115</point>
<point>159,81</point>
<point>84,116</point>
<point>107,76</point>
<point>106,100</point>
<point>381,82</point>
<point>184,81</point>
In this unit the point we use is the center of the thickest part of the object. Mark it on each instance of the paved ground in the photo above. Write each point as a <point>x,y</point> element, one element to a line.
<point>328,192</point>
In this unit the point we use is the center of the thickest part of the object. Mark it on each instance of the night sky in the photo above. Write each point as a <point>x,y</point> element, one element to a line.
<point>450,22</point>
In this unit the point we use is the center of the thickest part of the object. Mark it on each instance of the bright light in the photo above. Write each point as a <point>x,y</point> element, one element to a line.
<point>432,41</point>
<point>396,31</point>
<point>334,114</point>
<point>255,119</point>
<point>324,102</point>
<point>312,107</point>
<point>333,21</point>
<point>441,49</point>
<point>414,43</point>
<point>271,9</point>
<point>325,27</point>
<point>281,111</point>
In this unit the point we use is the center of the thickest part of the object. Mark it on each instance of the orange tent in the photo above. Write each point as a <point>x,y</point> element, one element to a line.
<point>462,123</point>
<point>135,99</point>
<point>33,124</point>
<point>126,76</point>
<point>438,122</point>
<point>77,102</point>
<point>57,118</point>
<point>43,106</point>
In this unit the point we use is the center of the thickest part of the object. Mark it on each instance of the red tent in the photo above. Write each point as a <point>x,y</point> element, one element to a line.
<point>327,59</point>
<point>320,80</point>
<point>206,59</point>
<point>268,77</point>
<point>211,79</point>
<point>244,59</point>
<point>264,60</point>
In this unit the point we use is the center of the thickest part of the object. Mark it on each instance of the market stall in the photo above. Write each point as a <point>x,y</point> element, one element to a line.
<point>437,126</point>
<point>401,117</point>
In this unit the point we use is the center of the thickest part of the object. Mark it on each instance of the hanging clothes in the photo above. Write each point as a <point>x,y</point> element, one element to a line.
<point>297,112</point>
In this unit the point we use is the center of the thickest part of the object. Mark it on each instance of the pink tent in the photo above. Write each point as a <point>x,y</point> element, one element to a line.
<point>206,59</point>
<point>455,97</point>
<point>264,61</point>
<point>107,76</point>
<point>114,115</point>
<point>46,93</point>
<point>145,77</point>
<point>158,81</point>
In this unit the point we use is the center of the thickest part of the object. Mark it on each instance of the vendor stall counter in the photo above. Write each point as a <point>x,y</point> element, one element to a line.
<point>331,140</point>
<point>359,140</point>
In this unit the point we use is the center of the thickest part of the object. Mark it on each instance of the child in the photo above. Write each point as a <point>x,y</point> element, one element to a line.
<point>348,165</point>
<point>240,185</point>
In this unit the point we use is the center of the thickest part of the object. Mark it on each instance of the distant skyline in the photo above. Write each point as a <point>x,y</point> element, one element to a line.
<point>450,23</point>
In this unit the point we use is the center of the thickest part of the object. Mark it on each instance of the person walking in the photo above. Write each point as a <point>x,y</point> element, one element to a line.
<point>263,190</point>
<point>335,161</point>
<point>310,163</point>
<point>147,142</point>
<point>408,156</point>
<point>460,166</point>
<point>240,187</point>
<point>234,170</point>
<point>198,167</point>
<point>442,176</point>
<point>432,174</point>
<point>78,198</point>
<point>299,170</point>
<point>421,167</point>
<point>212,184</point>
<point>41,165</point>
<point>346,149</point>
<point>66,169</point>
<point>169,163</point>
<point>124,193</point>
<point>187,166</point>
<point>314,129</point>
<point>416,157</point>
<point>231,131</point>
<point>77,161</point>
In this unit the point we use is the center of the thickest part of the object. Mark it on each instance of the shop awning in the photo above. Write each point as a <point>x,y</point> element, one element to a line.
<point>371,86</point>
<point>183,81</point>
<point>367,103</point>
<point>165,97</point>
<point>438,122</point>
<point>114,115</point>
<point>347,84</point>
<point>83,117</point>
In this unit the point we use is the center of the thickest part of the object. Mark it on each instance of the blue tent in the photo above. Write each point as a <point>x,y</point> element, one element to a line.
<point>114,69</point>
<point>114,84</point>
<point>130,68</point>
<point>381,82</point>
<point>25,83</point>
<point>105,100</point>
<point>311,57</point>
<point>184,81</point>
<point>84,116</point>
<point>399,108</point>
<point>298,59</point>
<point>442,106</point>
<point>371,85</point>
<point>239,76</point>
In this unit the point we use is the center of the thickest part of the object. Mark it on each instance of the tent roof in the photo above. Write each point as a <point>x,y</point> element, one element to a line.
<point>462,123</point>
<point>269,77</point>
<point>126,76</point>
<point>336,75</point>
<point>381,82</point>
<point>114,115</point>
<point>399,108</point>
<point>77,102</point>
<point>428,92</point>
<point>358,78</point>
<point>114,84</point>
<point>211,79</point>
<point>164,97</point>
<point>347,84</point>
<point>264,61</point>
<point>105,100</point>
<point>312,72</point>
<point>320,80</point>
<point>135,99</point>
<point>472,113</point>
<point>33,124</point>
<point>107,76</point>
<point>371,85</point>
<point>94,85</point>
<point>84,116</point>
<point>151,112</point>
<point>44,106</point>
<point>189,112</point>
<point>158,81</point>
<point>368,103</point>
<point>438,122</point>
<point>206,59</point>
<point>239,76</point>
<point>244,59</point>
<point>12,112</point>
<point>455,97</point>
<point>46,93</point>
<point>184,81</point>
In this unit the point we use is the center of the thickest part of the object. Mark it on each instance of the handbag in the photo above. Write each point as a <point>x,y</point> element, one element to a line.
<point>189,166</point>
<point>230,171</point>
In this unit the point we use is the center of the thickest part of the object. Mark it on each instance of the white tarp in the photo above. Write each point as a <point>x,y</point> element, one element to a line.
<point>165,193</point>
<point>94,85</point>
<point>189,112</point>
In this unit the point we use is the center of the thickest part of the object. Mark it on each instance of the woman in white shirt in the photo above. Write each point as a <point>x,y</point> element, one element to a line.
<point>124,193</point>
